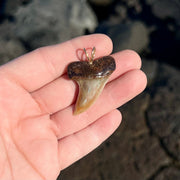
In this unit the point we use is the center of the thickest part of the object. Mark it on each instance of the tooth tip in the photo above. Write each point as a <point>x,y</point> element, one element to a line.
<point>78,111</point>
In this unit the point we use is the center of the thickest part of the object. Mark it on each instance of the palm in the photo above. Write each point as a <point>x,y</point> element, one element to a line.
<point>39,136</point>
<point>29,135</point>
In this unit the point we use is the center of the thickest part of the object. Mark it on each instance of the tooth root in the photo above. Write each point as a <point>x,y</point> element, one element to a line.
<point>89,90</point>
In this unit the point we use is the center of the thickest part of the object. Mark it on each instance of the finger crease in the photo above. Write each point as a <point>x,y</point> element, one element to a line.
<point>42,104</point>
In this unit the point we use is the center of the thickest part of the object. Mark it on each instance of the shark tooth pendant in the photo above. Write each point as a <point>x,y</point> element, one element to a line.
<point>91,76</point>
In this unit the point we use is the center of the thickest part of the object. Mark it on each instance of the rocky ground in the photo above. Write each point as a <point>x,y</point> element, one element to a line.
<point>147,144</point>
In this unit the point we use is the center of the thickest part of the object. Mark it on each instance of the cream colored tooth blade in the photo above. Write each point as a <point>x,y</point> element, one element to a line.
<point>89,90</point>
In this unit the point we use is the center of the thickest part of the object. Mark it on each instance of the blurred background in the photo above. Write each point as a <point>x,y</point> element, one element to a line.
<point>147,144</point>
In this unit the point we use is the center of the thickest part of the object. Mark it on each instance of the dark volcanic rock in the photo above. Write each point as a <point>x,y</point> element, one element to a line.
<point>10,6</point>
<point>126,36</point>
<point>165,9</point>
<point>170,173</point>
<point>164,110</point>
<point>150,68</point>
<point>49,22</point>
<point>172,143</point>
<point>10,49</point>
<point>10,46</point>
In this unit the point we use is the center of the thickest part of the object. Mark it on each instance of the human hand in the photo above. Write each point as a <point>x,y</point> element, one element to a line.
<point>39,135</point>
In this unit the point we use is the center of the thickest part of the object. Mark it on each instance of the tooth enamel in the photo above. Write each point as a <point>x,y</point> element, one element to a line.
<point>89,90</point>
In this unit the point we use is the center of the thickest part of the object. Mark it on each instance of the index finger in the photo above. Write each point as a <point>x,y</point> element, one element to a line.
<point>43,65</point>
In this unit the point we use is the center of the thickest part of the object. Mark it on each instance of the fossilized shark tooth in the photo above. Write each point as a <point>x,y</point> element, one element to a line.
<point>91,76</point>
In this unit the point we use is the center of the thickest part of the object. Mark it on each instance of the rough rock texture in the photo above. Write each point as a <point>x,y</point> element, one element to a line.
<point>160,20</point>
<point>10,49</point>
<point>164,110</point>
<point>165,9</point>
<point>10,7</point>
<point>170,173</point>
<point>150,67</point>
<point>48,22</point>
<point>10,46</point>
<point>133,35</point>
<point>32,24</point>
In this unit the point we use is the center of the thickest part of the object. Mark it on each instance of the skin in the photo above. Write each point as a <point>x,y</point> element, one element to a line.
<point>39,135</point>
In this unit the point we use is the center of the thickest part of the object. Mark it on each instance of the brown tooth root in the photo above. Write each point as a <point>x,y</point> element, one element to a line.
<point>91,77</point>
